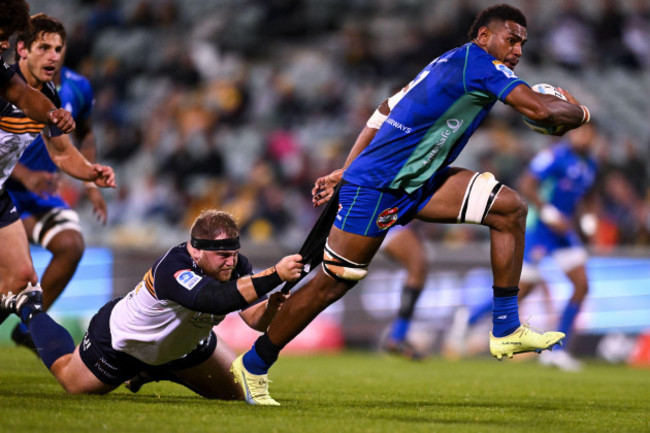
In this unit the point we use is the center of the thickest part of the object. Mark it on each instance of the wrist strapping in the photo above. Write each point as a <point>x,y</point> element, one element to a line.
<point>586,116</point>
<point>266,281</point>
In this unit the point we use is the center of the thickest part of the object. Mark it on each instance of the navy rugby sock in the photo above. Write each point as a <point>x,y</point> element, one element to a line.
<point>262,356</point>
<point>51,339</point>
<point>505,311</point>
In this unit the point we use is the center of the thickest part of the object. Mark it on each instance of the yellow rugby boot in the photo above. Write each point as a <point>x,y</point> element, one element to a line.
<point>523,340</point>
<point>255,386</point>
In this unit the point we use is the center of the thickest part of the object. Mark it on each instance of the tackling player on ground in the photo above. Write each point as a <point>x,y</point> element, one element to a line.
<point>164,325</point>
<point>400,169</point>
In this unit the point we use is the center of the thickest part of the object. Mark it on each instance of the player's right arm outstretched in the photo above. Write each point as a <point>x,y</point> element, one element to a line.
<point>66,156</point>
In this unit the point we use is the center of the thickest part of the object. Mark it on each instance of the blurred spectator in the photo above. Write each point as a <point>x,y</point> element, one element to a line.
<point>104,14</point>
<point>609,36</point>
<point>636,33</point>
<point>570,37</point>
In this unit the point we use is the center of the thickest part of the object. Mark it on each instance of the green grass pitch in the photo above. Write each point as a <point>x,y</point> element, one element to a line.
<point>348,392</point>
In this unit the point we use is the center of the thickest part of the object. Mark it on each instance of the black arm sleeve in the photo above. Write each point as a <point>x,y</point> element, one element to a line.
<point>218,298</point>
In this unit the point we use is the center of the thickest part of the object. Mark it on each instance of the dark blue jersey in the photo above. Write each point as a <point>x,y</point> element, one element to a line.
<point>565,176</point>
<point>17,130</point>
<point>76,96</point>
<point>5,73</point>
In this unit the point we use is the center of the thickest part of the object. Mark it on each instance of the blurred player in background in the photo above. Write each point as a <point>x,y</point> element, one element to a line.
<point>17,131</point>
<point>403,245</point>
<point>164,325</point>
<point>48,219</point>
<point>14,17</point>
<point>400,168</point>
<point>559,184</point>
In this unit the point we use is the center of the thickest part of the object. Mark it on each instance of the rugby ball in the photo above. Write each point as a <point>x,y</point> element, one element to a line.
<point>544,89</point>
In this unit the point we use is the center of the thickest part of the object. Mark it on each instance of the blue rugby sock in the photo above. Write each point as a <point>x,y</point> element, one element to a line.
<point>400,329</point>
<point>51,339</point>
<point>568,318</point>
<point>505,311</point>
<point>261,356</point>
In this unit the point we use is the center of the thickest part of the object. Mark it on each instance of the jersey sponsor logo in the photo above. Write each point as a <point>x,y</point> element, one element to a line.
<point>503,68</point>
<point>397,125</point>
<point>187,278</point>
<point>387,218</point>
<point>453,126</point>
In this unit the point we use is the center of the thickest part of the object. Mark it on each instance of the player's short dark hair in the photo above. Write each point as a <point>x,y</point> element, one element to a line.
<point>14,16</point>
<point>40,24</point>
<point>501,12</point>
<point>212,223</point>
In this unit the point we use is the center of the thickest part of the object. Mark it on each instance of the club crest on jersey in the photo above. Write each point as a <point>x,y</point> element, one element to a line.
<point>387,218</point>
<point>187,278</point>
<point>503,68</point>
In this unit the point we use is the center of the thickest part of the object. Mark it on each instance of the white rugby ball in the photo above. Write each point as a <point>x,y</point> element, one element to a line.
<point>544,89</point>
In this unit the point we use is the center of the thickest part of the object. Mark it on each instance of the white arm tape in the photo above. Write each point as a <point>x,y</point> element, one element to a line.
<point>393,100</point>
<point>376,120</point>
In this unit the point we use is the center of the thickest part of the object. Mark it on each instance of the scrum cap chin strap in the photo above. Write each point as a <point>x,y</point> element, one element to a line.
<point>228,244</point>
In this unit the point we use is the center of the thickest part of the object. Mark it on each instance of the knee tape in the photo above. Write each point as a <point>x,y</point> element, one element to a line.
<point>342,269</point>
<point>53,223</point>
<point>481,192</point>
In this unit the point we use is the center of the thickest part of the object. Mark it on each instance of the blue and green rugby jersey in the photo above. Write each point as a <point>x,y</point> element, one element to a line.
<point>429,127</point>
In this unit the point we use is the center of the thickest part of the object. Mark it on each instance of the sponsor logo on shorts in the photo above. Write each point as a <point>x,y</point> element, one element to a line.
<point>86,342</point>
<point>387,218</point>
<point>338,212</point>
<point>187,278</point>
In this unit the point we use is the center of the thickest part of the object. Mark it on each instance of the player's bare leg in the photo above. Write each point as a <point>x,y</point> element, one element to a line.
<point>562,359</point>
<point>506,218</point>
<point>75,377</point>
<point>320,292</point>
<point>67,248</point>
<point>16,268</point>
<point>404,246</point>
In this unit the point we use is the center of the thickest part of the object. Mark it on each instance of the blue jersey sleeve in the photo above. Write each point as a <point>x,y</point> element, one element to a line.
<point>484,73</point>
<point>76,94</point>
